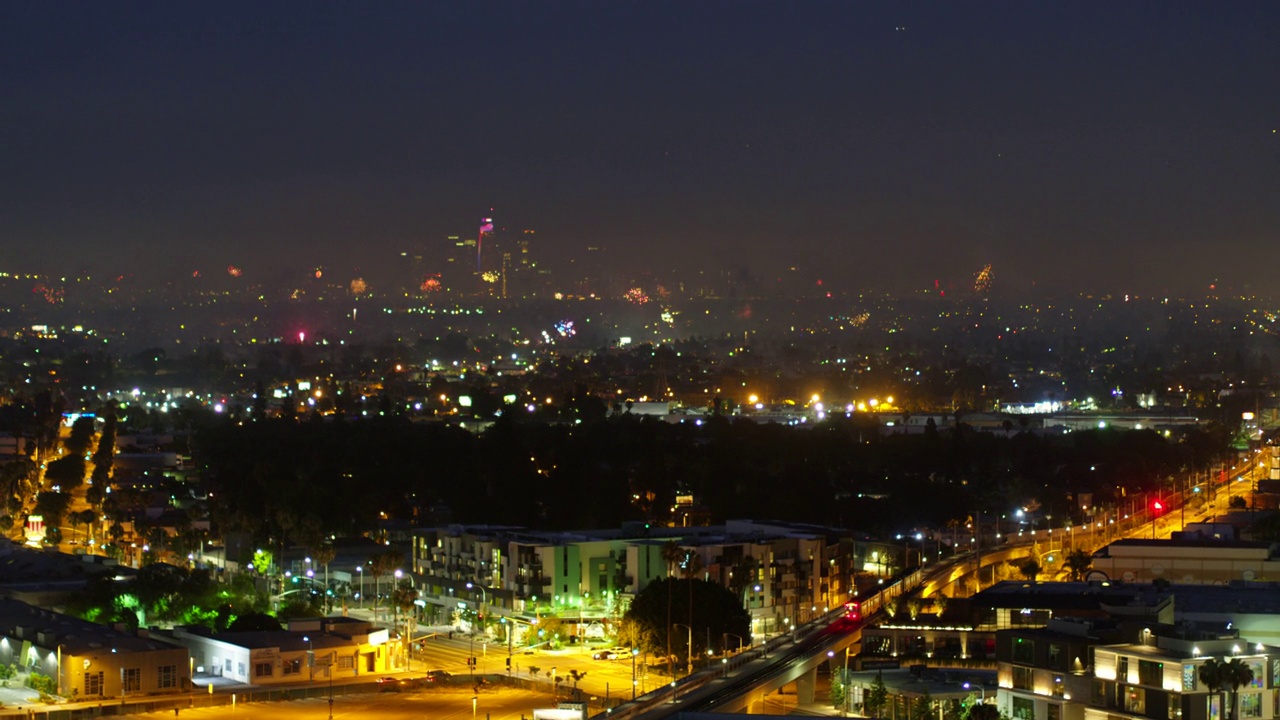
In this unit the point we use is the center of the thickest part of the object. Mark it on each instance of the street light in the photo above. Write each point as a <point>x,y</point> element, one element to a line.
<point>395,606</point>
<point>724,642</point>
<point>982,689</point>
<point>634,653</point>
<point>332,663</point>
<point>471,636</point>
<point>311,657</point>
<point>360,572</point>
<point>689,653</point>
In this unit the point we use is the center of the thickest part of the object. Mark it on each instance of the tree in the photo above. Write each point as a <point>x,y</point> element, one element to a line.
<point>1221,675</point>
<point>254,621</point>
<point>690,566</point>
<point>874,700</point>
<point>53,506</point>
<point>323,555</point>
<point>840,682</point>
<point>382,564</point>
<point>577,675</point>
<point>716,610</point>
<point>67,472</point>
<point>671,553</point>
<point>84,517</point>
<point>81,437</point>
<point>550,630</point>
<point>1078,563</point>
<point>940,603</point>
<point>1030,569</point>
<point>922,708</point>
<point>403,598</point>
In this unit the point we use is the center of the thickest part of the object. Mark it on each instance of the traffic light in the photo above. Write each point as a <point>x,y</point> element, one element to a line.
<point>508,662</point>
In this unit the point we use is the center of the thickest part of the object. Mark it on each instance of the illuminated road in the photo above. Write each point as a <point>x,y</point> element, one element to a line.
<point>600,678</point>
<point>444,704</point>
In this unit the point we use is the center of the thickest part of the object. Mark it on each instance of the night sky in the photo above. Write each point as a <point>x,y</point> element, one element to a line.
<point>1118,145</point>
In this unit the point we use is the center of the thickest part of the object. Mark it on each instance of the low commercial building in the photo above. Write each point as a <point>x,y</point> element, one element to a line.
<point>90,661</point>
<point>309,650</point>
<point>1191,561</point>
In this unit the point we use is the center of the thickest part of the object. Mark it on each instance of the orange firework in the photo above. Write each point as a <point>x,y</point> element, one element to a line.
<point>359,286</point>
<point>984,278</point>
<point>234,271</point>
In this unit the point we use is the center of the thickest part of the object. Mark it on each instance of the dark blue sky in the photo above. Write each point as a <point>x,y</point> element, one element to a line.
<point>1124,145</point>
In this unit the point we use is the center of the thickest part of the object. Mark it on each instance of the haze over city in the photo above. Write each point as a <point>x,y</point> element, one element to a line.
<point>1098,146</point>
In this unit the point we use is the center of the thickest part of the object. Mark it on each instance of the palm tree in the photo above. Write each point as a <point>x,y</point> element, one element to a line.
<point>1220,675</point>
<point>379,565</point>
<point>403,598</point>
<point>1237,674</point>
<point>690,566</point>
<point>1078,563</point>
<point>671,553</point>
<point>323,555</point>
<point>1212,674</point>
<point>1030,569</point>
<point>577,676</point>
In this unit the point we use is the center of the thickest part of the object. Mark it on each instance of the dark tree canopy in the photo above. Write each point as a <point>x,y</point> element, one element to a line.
<point>347,473</point>
<point>66,471</point>
<point>715,609</point>
<point>81,437</point>
<point>254,622</point>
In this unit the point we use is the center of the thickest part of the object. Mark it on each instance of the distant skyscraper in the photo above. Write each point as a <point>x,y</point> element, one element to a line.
<point>486,229</point>
<point>459,275</point>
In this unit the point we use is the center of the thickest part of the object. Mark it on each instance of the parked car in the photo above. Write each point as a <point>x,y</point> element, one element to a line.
<point>603,655</point>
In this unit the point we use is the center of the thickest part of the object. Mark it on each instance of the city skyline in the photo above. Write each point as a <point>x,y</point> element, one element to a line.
<point>1085,146</point>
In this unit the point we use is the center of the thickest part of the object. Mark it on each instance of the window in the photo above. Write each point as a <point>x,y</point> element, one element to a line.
<point>1188,678</point>
<point>262,669</point>
<point>167,676</point>
<point>1259,669</point>
<point>346,662</point>
<point>877,645</point>
<point>1135,699</point>
<point>132,679</point>
<point>292,666</point>
<point>1024,651</point>
<point>1175,706</point>
<point>240,669</point>
<point>1024,708</point>
<point>93,683</point>
<point>1023,678</point>
<point>1055,711</point>
<point>227,667</point>
<point>1250,705</point>
<point>1122,668</point>
<point>1150,673</point>
<point>1057,658</point>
